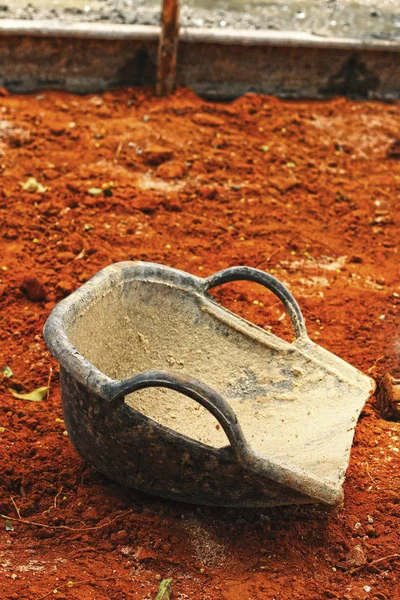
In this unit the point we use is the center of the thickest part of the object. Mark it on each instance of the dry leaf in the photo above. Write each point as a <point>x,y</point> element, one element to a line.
<point>35,396</point>
<point>33,185</point>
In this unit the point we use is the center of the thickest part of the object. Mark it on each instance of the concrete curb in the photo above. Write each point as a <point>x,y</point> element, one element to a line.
<point>215,63</point>
<point>110,31</point>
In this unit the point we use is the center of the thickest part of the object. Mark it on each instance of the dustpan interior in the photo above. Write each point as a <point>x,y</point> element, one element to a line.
<point>289,406</point>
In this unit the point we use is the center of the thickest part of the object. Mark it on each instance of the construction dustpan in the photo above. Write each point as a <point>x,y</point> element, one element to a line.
<point>234,415</point>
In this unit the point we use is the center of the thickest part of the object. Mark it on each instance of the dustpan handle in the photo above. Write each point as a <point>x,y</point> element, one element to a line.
<point>268,281</point>
<point>197,391</point>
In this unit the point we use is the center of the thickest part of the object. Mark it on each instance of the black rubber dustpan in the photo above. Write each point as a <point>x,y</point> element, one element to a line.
<point>168,392</point>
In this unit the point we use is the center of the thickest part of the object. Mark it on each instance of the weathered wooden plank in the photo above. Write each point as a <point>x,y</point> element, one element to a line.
<point>388,397</point>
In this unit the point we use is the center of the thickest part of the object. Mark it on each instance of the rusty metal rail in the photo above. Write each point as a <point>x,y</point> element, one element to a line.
<point>168,48</point>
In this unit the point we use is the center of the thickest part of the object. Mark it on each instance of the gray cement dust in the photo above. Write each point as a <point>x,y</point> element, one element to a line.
<point>366,19</point>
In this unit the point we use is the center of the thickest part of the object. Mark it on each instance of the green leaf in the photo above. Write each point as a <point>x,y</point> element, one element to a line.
<point>9,525</point>
<point>94,191</point>
<point>7,372</point>
<point>35,396</point>
<point>107,192</point>
<point>165,590</point>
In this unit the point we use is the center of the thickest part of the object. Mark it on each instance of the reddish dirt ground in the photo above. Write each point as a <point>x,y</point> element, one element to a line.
<point>309,191</point>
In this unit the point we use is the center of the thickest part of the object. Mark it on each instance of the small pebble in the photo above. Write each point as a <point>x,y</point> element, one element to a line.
<point>33,289</point>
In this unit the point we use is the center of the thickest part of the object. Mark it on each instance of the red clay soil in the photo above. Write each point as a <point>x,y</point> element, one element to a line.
<point>309,191</point>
